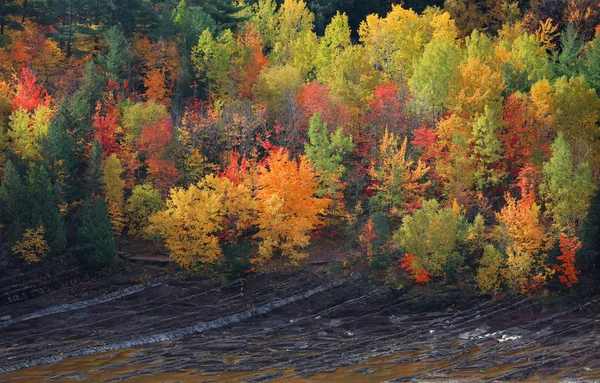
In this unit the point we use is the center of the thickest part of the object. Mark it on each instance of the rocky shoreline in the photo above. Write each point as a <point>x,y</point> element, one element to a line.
<point>304,326</point>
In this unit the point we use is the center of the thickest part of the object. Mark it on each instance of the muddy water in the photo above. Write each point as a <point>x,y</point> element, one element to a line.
<point>113,366</point>
<point>122,367</point>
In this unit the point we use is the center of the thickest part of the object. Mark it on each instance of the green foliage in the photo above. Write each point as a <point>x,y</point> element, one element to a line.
<point>95,237</point>
<point>326,152</point>
<point>487,150</point>
<point>567,187</point>
<point>116,59</point>
<point>29,204</point>
<point>143,202</point>
<point>488,276</point>
<point>591,68</point>
<point>566,62</point>
<point>528,64</point>
<point>433,234</point>
<point>430,83</point>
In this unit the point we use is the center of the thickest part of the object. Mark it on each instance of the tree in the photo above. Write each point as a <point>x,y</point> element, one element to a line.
<point>398,182</point>
<point>566,62</point>
<point>113,192</point>
<point>326,152</point>
<point>29,93</point>
<point>576,114</point>
<point>430,238</point>
<point>474,86</point>
<point>489,272</point>
<point>387,109</point>
<point>33,247</point>
<point>568,249</point>
<point>487,150</point>
<point>277,89</point>
<point>27,130</point>
<point>526,240</point>
<point>590,68</point>
<point>195,219</point>
<point>214,61</point>
<point>288,206</point>
<point>430,83</point>
<point>294,19</point>
<point>567,188</point>
<point>144,202</point>
<point>96,241</point>
<point>116,59</point>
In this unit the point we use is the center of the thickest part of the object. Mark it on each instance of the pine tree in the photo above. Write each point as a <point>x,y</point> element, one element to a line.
<point>95,235</point>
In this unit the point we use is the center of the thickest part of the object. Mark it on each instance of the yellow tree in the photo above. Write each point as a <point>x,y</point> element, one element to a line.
<point>196,219</point>
<point>527,241</point>
<point>398,182</point>
<point>288,206</point>
<point>113,192</point>
<point>475,85</point>
<point>189,226</point>
<point>33,246</point>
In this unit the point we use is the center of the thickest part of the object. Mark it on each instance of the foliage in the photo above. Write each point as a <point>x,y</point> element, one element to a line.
<point>432,236</point>
<point>568,249</point>
<point>144,201</point>
<point>399,184</point>
<point>113,192</point>
<point>32,247</point>
<point>287,204</point>
<point>567,187</point>
<point>95,237</point>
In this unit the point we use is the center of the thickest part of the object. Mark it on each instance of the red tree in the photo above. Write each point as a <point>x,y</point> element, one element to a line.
<point>568,249</point>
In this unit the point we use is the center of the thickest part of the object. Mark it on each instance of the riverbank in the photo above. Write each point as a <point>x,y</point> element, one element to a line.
<point>301,326</point>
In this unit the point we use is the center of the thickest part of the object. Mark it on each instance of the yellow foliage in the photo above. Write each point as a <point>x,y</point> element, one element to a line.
<point>288,209</point>
<point>26,130</point>
<point>113,192</point>
<point>488,276</point>
<point>546,34</point>
<point>189,226</point>
<point>527,243</point>
<point>474,86</point>
<point>196,218</point>
<point>399,183</point>
<point>32,247</point>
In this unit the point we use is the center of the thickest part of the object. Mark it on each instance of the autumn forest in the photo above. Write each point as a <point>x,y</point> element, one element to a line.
<point>442,143</point>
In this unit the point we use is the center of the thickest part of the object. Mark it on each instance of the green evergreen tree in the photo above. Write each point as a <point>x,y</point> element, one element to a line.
<point>95,237</point>
<point>566,62</point>
<point>115,61</point>
<point>591,64</point>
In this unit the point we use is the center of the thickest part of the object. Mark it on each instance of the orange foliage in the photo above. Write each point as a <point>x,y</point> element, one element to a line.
<point>155,84</point>
<point>29,93</point>
<point>288,209</point>
<point>251,40</point>
<point>409,262</point>
<point>568,249</point>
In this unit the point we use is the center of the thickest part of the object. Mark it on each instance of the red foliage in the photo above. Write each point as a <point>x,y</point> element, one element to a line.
<point>522,135</point>
<point>526,183</point>
<point>568,249</point>
<point>420,275</point>
<point>251,40</point>
<point>105,129</point>
<point>30,94</point>
<point>235,171</point>
<point>386,109</point>
<point>424,143</point>
<point>156,142</point>
<point>314,98</point>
